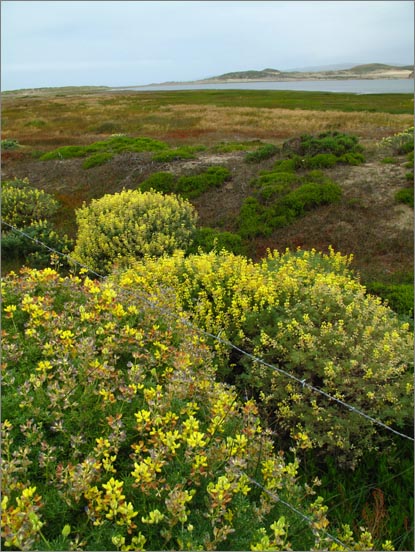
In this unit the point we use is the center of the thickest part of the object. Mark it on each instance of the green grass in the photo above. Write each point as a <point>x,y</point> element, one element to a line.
<point>287,99</point>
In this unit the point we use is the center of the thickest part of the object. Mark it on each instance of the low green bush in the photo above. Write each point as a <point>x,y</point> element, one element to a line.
<point>335,142</point>
<point>9,144</point>
<point>227,147</point>
<point>160,182</point>
<point>310,195</point>
<point>352,158</point>
<point>320,161</point>
<point>185,152</point>
<point>276,205</point>
<point>405,195</point>
<point>264,152</point>
<point>251,220</point>
<point>15,246</point>
<point>193,186</point>
<point>97,159</point>
<point>65,152</point>
<point>400,297</point>
<point>118,143</point>
<point>285,165</point>
<point>389,160</point>
<point>208,239</point>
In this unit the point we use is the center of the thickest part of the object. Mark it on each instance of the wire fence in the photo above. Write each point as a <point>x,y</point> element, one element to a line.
<point>304,384</point>
<point>146,299</point>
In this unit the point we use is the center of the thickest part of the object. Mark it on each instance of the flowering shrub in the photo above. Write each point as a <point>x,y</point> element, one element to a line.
<point>120,227</point>
<point>306,314</point>
<point>116,435</point>
<point>22,204</point>
<point>401,142</point>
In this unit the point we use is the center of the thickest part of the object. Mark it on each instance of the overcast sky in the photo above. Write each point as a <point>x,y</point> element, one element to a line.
<point>117,43</point>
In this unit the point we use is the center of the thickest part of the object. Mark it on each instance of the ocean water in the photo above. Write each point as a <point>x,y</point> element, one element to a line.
<point>360,86</point>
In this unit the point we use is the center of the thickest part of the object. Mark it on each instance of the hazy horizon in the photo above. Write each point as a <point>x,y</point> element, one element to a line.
<point>117,43</point>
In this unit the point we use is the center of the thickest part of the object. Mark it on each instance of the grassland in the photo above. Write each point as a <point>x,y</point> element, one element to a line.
<point>224,126</point>
<point>366,222</point>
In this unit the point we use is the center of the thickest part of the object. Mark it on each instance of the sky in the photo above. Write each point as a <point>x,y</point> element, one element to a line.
<point>127,43</point>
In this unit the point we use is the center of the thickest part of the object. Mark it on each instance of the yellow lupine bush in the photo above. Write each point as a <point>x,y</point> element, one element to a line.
<point>130,441</point>
<point>22,204</point>
<point>305,313</point>
<point>118,228</point>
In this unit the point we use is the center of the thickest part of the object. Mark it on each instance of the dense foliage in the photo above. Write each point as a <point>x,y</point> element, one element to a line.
<point>306,314</point>
<point>264,152</point>
<point>336,143</point>
<point>116,435</point>
<point>281,197</point>
<point>22,204</point>
<point>190,186</point>
<point>118,228</point>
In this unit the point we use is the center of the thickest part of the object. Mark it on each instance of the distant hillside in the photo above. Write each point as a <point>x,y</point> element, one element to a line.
<point>365,71</point>
<point>249,74</point>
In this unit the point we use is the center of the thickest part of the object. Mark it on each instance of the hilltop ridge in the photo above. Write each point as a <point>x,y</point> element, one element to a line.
<point>364,71</point>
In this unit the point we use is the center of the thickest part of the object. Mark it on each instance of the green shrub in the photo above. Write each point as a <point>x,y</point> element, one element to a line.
<point>118,143</point>
<point>263,152</point>
<point>320,161</point>
<point>310,195</point>
<point>9,144</point>
<point>400,297</point>
<point>227,147</point>
<point>116,434</point>
<point>410,158</point>
<point>118,228</point>
<point>22,204</point>
<point>208,239</point>
<point>354,158</point>
<point>336,143</point>
<point>389,160</point>
<point>18,247</point>
<point>185,152</point>
<point>285,165</point>
<point>405,195</point>
<point>306,314</point>
<point>193,186</point>
<point>97,159</point>
<point>160,182</point>
<point>251,220</point>
<point>189,187</point>
<point>275,205</point>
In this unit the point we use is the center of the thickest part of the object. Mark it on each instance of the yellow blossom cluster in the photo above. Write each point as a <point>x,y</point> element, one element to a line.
<point>116,229</point>
<point>122,426</point>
